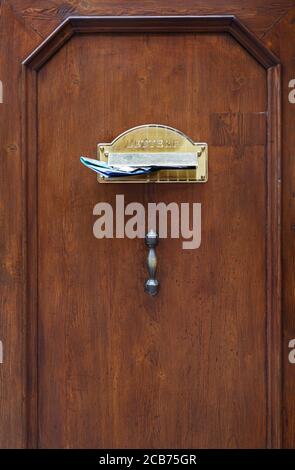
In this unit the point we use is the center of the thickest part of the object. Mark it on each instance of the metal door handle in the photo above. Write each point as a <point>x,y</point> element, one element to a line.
<point>151,285</point>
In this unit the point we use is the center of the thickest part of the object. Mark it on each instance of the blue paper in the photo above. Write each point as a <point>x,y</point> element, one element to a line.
<point>103,169</point>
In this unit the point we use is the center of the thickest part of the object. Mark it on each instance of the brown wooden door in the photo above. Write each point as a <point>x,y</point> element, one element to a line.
<point>194,366</point>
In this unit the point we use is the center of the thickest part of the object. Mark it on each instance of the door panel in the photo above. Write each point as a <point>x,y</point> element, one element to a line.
<point>190,367</point>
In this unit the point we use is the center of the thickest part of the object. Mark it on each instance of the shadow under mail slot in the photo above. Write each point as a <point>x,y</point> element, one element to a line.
<point>124,165</point>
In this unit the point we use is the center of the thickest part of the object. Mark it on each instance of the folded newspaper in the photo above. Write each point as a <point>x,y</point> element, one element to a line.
<point>109,171</point>
<point>115,171</point>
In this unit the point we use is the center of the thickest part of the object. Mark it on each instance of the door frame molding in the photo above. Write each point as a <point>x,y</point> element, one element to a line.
<point>157,24</point>
<point>151,24</point>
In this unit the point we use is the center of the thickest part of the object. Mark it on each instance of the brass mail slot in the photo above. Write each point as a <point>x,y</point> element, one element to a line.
<point>175,156</point>
<point>151,153</point>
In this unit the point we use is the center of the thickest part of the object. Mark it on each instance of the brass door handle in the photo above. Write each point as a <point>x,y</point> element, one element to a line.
<point>152,284</point>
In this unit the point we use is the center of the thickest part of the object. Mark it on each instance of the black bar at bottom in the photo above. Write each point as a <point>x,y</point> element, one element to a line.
<point>134,458</point>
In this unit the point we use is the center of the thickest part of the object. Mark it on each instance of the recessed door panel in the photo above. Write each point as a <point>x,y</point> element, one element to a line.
<point>189,367</point>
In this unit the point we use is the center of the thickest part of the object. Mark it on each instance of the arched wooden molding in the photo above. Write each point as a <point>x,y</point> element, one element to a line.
<point>189,24</point>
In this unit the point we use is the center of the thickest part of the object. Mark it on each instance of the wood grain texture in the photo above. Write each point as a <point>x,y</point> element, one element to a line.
<point>238,128</point>
<point>87,347</point>
<point>12,307</point>
<point>30,254</point>
<point>42,17</point>
<point>282,39</point>
<point>274,285</point>
<point>45,15</point>
<point>153,24</point>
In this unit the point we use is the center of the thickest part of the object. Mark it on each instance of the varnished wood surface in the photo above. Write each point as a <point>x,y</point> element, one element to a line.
<point>32,21</point>
<point>43,16</point>
<point>12,300</point>
<point>151,24</point>
<point>274,272</point>
<point>126,370</point>
<point>281,39</point>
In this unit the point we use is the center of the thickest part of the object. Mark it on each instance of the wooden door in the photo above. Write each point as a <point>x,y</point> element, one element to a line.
<point>199,364</point>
